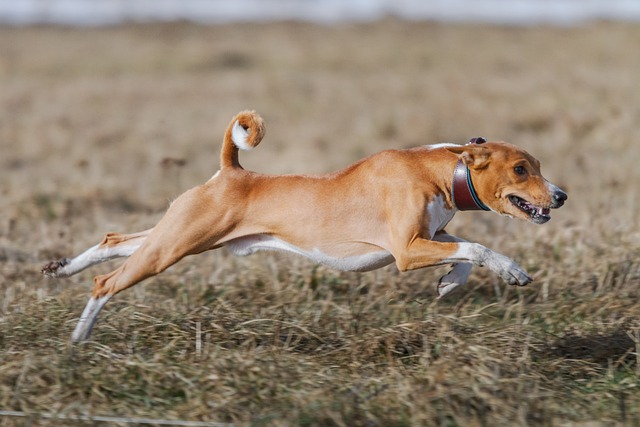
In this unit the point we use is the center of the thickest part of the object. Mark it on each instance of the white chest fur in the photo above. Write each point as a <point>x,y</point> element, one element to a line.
<point>439,215</point>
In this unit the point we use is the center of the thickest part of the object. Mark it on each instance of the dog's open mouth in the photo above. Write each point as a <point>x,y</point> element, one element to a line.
<point>537,214</point>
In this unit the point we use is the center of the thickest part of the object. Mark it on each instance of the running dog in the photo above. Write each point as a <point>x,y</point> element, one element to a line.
<point>390,207</point>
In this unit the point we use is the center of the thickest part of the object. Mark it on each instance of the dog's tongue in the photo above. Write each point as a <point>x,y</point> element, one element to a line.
<point>544,211</point>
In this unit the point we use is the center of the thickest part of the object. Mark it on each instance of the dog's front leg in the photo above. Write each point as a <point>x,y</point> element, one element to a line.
<point>459,273</point>
<point>423,253</point>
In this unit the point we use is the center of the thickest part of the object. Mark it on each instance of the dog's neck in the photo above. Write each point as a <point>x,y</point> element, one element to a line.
<point>463,193</point>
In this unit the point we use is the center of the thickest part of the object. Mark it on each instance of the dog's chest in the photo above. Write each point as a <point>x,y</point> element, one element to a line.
<point>437,216</point>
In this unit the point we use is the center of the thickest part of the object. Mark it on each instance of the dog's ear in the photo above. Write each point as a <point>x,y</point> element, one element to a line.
<point>473,155</point>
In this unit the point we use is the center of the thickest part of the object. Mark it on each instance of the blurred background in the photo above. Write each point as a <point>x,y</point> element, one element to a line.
<point>92,12</point>
<point>110,108</point>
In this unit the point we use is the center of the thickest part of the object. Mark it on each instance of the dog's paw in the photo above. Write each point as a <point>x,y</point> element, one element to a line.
<point>52,269</point>
<point>445,288</point>
<point>456,278</point>
<point>508,270</point>
<point>515,275</point>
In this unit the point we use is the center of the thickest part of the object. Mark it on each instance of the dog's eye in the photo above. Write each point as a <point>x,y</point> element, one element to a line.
<point>520,170</point>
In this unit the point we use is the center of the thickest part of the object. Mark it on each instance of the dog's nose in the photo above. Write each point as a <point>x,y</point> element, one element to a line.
<point>559,197</point>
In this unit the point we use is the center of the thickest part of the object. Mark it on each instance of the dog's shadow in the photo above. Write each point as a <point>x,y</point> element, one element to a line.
<point>613,348</point>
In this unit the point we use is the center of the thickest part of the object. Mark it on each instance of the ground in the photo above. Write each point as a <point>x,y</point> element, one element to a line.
<point>101,128</point>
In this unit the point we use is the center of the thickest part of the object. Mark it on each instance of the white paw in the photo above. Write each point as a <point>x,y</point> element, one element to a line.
<point>507,269</point>
<point>457,277</point>
<point>445,288</point>
<point>513,274</point>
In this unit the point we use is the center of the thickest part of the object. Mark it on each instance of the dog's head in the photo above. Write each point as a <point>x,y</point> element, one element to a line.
<point>507,179</point>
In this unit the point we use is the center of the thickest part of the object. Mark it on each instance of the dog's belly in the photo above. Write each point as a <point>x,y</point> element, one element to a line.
<point>367,261</point>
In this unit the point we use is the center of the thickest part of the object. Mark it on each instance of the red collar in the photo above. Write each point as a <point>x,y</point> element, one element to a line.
<point>463,193</point>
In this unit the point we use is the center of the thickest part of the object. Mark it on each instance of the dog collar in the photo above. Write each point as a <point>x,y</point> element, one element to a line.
<point>463,193</point>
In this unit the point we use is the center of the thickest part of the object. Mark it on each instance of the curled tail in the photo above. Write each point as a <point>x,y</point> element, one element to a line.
<point>245,131</point>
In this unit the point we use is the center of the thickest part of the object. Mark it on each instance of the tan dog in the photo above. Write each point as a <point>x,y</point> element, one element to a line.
<point>390,207</point>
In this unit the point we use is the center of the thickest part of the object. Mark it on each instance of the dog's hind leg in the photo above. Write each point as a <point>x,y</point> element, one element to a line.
<point>184,230</point>
<point>88,318</point>
<point>114,245</point>
<point>145,262</point>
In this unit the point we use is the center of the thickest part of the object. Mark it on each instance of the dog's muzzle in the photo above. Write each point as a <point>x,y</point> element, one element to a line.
<point>558,197</point>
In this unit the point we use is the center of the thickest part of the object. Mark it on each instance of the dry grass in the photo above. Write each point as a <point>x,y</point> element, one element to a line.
<point>92,122</point>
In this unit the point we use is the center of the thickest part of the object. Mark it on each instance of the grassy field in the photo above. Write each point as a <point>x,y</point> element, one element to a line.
<point>101,128</point>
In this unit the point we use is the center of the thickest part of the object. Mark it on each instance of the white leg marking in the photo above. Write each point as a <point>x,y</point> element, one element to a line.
<point>92,256</point>
<point>505,267</point>
<point>456,278</point>
<point>88,318</point>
